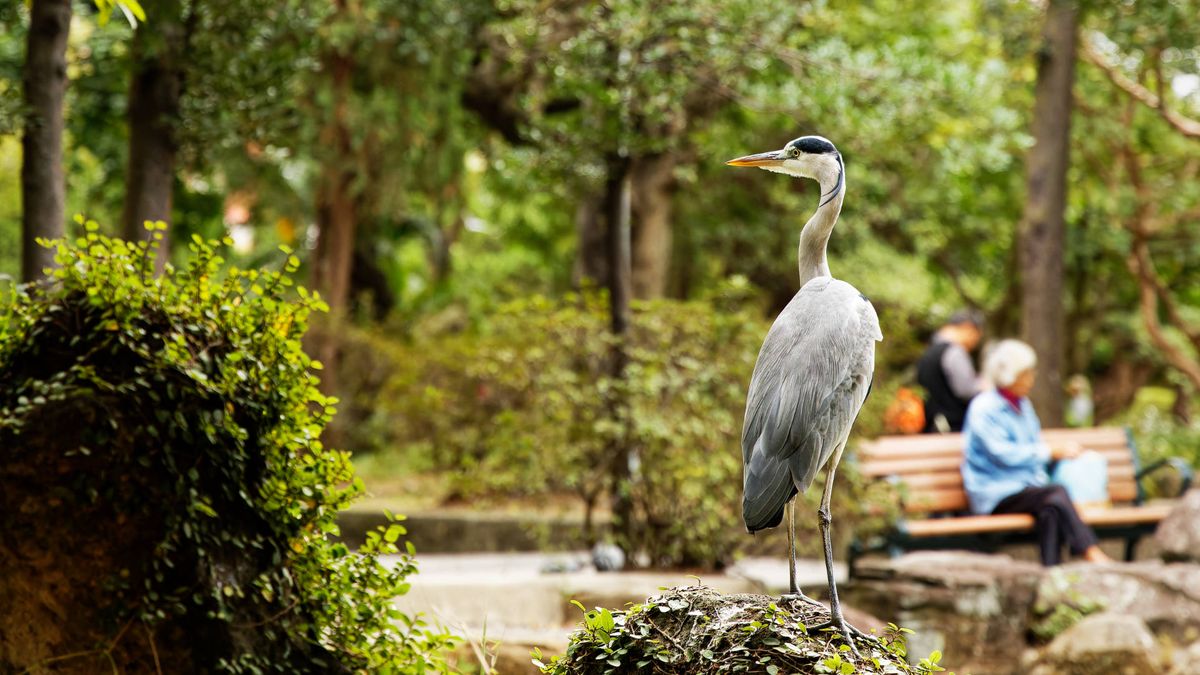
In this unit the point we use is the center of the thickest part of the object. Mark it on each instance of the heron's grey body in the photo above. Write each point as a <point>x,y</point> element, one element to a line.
<point>811,378</point>
<point>813,372</point>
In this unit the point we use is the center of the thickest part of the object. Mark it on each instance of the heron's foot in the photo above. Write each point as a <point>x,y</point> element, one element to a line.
<point>849,633</point>
<point>797,594</point>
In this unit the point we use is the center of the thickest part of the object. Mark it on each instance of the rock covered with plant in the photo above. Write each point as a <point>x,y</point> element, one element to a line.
<point>167,502</point>
<point>694,629</point>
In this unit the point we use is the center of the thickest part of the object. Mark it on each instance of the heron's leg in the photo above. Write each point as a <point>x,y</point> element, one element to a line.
<point>836,620</point>
<point>794,588</point>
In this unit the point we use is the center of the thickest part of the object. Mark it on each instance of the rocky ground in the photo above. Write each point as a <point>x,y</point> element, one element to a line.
<point>988,613</point>
<point>994,614</point>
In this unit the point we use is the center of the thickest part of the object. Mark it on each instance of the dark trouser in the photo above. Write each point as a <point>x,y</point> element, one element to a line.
<point>1057,520</point>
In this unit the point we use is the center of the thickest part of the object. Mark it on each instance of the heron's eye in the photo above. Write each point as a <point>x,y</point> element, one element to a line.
<point>793,151</point>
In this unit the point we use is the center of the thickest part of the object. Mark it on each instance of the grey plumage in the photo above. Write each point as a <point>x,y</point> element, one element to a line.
<point>811,378</point>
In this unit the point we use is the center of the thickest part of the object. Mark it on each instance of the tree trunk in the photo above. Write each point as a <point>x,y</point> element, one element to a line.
<point>368,280</point>
<point>653,183</point>
<point>617,209</point>
<point>1043,229</point>
<point>337,218</point>
<point>1114,389</point>
<point>43,186</point>
<point>591,259</point>
<point>155,88</point>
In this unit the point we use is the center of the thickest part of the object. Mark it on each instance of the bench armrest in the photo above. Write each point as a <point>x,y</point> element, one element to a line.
<point>1184,469</point>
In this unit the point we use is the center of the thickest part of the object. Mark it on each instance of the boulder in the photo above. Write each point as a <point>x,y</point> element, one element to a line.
<point>1178,536</point>
<point>1166,597</point>
<point>694,629</point>
<point>1102,644</point>
<point>1187,661</point>
<point>972,606</point>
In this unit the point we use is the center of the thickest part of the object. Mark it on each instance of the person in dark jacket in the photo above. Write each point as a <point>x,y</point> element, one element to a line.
<point>947,374</point>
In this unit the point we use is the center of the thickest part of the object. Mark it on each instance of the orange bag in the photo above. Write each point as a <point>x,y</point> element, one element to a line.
<point>905,414</point>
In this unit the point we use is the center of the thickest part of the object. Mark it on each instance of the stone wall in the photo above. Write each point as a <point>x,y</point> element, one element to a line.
<point>993,614</point>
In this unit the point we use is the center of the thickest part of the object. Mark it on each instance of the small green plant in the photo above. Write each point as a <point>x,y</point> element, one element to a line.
<point>1066,607</point>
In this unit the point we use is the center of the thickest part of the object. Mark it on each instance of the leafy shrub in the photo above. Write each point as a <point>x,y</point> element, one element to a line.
<point>1161,435</point>
<point>522,408</point>
<point>161,453</point>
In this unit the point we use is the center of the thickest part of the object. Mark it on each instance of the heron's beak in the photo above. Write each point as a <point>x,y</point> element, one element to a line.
<point>762,159</point>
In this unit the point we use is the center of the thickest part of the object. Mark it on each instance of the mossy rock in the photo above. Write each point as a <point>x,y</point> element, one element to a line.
<point>695,629</point>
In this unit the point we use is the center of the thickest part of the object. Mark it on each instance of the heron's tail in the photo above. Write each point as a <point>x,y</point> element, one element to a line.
<point>766,494</point>
<point>760,523</point>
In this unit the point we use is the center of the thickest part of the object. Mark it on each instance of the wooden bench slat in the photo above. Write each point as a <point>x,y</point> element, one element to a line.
<point>937,501</point>
<point>941,500</point>
<point>921,465</point>
<point>1097,435</point>
<point>952,498</point>
<point>918,482</point>
<point>1115,453</point>
<point>899,467</point>
<point>1122,491</point>
<point>940,527</point>
<point>1020,522</point>
<point>1125,515</point>
<point>932,445</point>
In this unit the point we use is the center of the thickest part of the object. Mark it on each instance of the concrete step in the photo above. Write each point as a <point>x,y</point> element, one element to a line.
<point>469,531</point>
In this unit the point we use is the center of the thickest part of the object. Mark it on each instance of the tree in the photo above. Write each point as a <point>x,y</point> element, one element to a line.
<point>153,111</point>
<point>1153,135</point>
<point>337,216</point>
<point>43,185</point>
<point>558,62</point>
<point>1043,230</point>
<point>389,139</point>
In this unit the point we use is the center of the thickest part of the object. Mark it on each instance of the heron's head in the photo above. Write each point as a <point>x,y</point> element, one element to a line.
<point>806,157</point>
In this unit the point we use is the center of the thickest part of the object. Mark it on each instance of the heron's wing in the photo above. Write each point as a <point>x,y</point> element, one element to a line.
<point>811,378</point>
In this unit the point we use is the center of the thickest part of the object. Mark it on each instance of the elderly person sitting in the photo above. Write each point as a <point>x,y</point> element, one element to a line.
<point>1004,469</point>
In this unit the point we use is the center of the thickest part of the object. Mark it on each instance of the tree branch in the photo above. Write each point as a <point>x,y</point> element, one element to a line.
<point>942,259</point>
<point>1151,289</point>
<point>1184,125</point>
<point>1138,264</point>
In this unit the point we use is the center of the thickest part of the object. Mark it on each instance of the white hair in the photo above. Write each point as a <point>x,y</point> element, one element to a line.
<point>1006,360</point>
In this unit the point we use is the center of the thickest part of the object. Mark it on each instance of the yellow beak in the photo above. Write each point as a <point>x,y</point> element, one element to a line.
<point>773,158</point>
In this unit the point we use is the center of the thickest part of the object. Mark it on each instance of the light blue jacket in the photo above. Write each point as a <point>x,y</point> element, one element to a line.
<point>1004,450</point>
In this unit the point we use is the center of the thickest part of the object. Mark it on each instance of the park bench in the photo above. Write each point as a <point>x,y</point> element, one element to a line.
<point>926,469</point>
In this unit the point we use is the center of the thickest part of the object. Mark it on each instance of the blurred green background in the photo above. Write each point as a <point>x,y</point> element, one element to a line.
<point>471,141</point>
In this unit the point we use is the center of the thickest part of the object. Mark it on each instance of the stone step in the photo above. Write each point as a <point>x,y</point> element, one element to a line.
<point>469,531</point>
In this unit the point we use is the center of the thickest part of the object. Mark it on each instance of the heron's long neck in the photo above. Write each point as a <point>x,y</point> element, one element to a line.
<point>815,235</point>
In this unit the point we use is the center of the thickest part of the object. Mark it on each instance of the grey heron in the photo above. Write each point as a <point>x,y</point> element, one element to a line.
<point>813,372</point>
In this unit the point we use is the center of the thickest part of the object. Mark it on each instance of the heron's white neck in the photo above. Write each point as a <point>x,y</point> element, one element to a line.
<point>815,235</point>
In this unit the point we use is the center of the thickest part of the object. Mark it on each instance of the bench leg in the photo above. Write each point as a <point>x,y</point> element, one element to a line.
<point>1131,548</point>
<point>857,548</point>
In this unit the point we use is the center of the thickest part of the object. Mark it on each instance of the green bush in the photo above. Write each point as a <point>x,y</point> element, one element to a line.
<point>161,450</point>
<point>1161,435</point>
<point>522,408</point>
